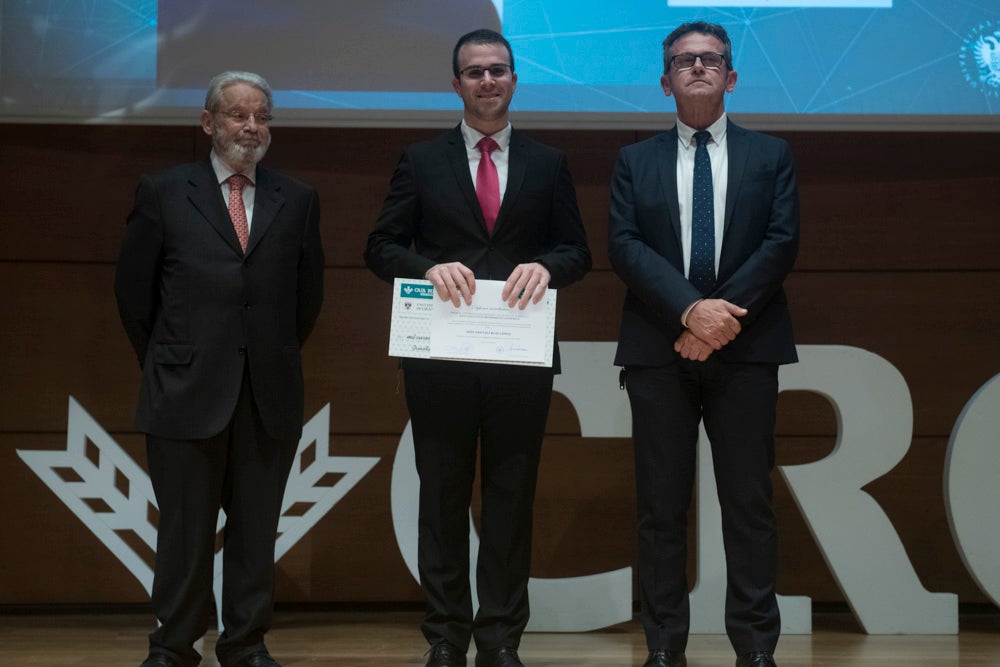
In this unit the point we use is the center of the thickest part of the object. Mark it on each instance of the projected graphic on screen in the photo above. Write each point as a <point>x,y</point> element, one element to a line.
<point>347,61</point>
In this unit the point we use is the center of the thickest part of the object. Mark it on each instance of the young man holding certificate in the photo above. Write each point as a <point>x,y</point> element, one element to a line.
<point>481,202</point>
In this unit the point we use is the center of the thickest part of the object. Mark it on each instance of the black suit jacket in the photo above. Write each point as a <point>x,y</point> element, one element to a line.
<point>432,205</point>
<point>197,309</point>
<point>759,244</point>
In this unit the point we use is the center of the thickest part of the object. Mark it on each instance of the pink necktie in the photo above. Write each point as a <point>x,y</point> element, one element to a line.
<point>237,211</point>
<point>488,183</point>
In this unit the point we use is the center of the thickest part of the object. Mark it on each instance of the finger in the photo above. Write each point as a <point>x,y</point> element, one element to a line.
<point>468,279</point>
<point>463,292</point>
<point>443,292</point>
<point>528,292</point>
<point>458,294</point>
<point>510,286</point>
<point>517,291</point>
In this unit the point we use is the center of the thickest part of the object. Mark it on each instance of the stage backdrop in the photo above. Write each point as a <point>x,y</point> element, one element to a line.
<point>898,258</point>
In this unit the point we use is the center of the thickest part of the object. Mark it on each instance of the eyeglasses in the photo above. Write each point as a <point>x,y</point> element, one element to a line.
<point>476,72</point>
<point>240,118</point>
<point>709,59</point>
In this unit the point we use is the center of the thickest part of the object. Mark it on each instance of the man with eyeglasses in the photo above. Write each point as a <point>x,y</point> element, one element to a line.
<point>219,282</point>
<point>480,202</point>
<point>703,230</point>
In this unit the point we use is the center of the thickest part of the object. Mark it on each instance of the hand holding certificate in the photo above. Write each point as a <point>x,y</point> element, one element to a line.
<point>488,330</point>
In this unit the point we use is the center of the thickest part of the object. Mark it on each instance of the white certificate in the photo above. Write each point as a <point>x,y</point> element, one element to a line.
<point>426,327</point>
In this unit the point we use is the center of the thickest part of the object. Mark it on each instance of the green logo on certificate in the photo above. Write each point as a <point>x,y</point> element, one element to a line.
<point>415,291</point>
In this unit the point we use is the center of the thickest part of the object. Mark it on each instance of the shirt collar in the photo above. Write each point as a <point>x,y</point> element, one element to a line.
<point>222,172</point>
<point>718,130</point>
<point>472,136</point>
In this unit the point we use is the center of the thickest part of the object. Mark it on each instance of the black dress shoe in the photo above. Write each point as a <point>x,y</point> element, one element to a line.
<point>498,657</point>
<point>756,659</point>
<point>159,660</point>
<point>258,659</point>
<point>446,654</point>
<point>661,658</point>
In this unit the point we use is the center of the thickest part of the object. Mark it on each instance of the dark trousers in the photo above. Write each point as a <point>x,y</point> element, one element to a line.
<point>737,403</point>
<point>243,471</point>
<point>505,412</point>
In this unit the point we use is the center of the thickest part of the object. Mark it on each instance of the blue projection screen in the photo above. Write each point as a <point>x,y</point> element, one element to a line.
<point>809,64</point>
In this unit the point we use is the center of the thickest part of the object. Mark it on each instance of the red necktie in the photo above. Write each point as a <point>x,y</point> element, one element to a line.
<point>237,211</point>
<point>488,183</point>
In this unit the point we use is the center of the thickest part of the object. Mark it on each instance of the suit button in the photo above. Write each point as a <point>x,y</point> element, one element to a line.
<point>246,305</point>
<point>243,350</point>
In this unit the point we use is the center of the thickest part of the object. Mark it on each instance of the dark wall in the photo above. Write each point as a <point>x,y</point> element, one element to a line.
<point>899,257</point>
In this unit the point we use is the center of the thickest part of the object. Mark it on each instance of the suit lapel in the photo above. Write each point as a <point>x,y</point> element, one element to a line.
<point>205,196</point>
<point>267,202</point>
<point>458,157</point>
<point>517,164</point>
<point>739,152</point>
<point>667,166</point>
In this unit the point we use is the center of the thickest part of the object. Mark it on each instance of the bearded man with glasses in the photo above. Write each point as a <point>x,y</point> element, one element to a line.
<point>219,282</point>
<point>703,230</point>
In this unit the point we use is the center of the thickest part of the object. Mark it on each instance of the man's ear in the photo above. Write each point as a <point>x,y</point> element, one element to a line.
<point>206,121</point>
<point>665,84</point>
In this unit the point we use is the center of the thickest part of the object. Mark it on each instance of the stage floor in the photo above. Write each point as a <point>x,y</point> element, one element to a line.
<point>387,639</point>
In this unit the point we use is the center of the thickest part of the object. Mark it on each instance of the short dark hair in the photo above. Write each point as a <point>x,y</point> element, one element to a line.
<point>481,36</point>
<point>705,28</point>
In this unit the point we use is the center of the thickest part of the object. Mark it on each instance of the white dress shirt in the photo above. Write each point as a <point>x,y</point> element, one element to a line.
<point>718,154</point>
<point>222,172</point>
<point>500,156</point>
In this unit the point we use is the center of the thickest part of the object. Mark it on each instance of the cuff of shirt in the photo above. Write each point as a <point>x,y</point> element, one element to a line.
<point>687,311</point>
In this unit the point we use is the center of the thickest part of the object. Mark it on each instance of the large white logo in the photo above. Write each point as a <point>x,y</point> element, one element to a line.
<point>853,532</point>
<point>111,494</point>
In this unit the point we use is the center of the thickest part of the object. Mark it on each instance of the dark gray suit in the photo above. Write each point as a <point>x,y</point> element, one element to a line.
<point>217,333</point>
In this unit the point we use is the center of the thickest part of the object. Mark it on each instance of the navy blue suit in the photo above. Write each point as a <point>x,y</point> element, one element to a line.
<point>734,391</point>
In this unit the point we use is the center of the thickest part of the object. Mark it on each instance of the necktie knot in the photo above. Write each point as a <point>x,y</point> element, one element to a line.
<point>237,181</point>
<point>486,145</point>
<point>702,137</point>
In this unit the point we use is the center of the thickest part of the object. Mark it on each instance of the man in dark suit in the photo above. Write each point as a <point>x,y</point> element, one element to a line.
<point>219,283</point>
<point>704,228</point>
<point>533,240</point>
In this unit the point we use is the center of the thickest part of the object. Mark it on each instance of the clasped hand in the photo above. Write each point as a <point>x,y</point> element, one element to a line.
<point>711,324</point>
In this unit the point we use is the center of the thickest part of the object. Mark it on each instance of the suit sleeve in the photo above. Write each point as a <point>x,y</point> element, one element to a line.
<point>761,275</point>
<point>647,274</point>
<point>387,253</point>
<point>311,261</point>
<point>138,271</point>
<point>569,258</point>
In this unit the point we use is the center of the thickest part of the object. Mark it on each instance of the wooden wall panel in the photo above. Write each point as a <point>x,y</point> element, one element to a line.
<point>898,258</point>
<point>67,188</point>
<point>584,524</point>
<point>64,339</point>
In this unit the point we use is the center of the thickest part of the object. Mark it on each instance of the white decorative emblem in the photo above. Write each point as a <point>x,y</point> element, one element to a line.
<point>112,495</point>
<point>980,58</point>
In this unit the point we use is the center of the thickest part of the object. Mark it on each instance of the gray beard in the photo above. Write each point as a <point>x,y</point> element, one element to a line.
<point>244,155</point>
<point>234,154</point>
